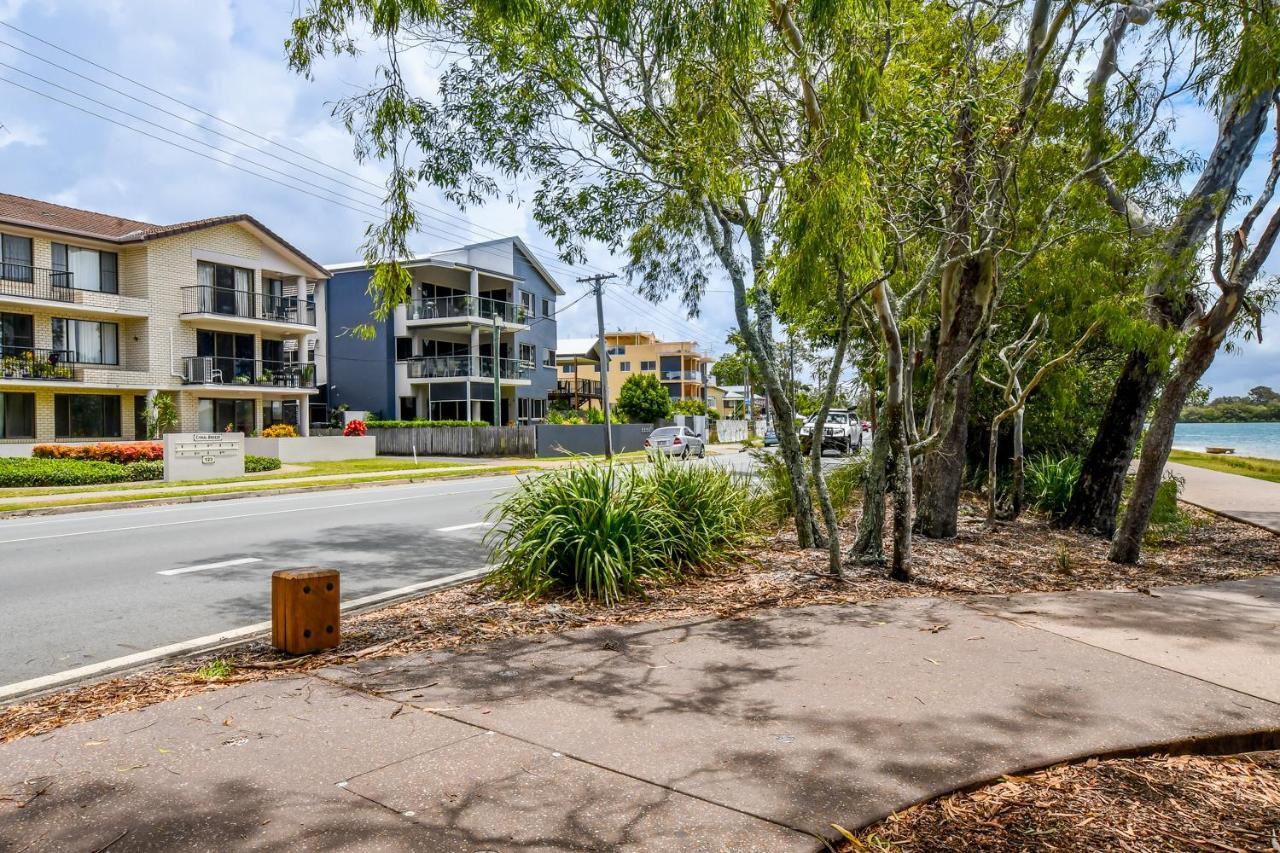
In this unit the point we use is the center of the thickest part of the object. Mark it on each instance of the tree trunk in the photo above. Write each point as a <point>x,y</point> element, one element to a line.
<point>1096,496</point>
<point>815,443</point>
<point>993,448</point>
<point>894,424</point>
<point>967,289</point>
<point>900,567</point>
<point>868,548</point>
<point>1019,467</point>
<point>1127,545</point>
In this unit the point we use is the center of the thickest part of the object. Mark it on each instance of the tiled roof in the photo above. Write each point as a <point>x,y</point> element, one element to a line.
<point>47,216</point>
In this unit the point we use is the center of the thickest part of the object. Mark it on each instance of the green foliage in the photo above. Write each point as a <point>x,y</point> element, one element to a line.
<point>260,464</point>
<point>146,470</point>
<point>689,407</point>
<point>643,399</point>
<point>23,472</point>
<point>1050,481</point>
<point>215,670</point>
<point>773,500</point>
<point>371,424</point>
<point>596,531</point>
<point>162,416</point>
<point>1260,404</point>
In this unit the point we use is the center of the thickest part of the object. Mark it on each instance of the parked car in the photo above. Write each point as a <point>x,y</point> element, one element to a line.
<point>842,432</point>
<point>677,441</point>
<point>770,437</point>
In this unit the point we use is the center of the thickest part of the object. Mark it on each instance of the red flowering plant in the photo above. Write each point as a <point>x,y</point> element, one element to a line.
<point>355,427</point>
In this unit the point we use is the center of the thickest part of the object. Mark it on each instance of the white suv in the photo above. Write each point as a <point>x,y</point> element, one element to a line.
<point>842,432</point>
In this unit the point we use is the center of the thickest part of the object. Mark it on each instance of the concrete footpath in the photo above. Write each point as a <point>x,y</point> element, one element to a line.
<point>1246,499</point>
<point>752,734</point>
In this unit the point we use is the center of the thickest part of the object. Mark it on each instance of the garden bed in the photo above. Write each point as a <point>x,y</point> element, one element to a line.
<point>1026,556</point>
<point>1154,803</point>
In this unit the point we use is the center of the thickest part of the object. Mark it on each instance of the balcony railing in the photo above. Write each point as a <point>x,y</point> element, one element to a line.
<point>36,283</point>
<point>39,364</point>
<point>462,366</point>
<point>582,389</point>
<point>203,299</point>
<point>465,305</point>
<point>228,370</point>
<point>681,376</point>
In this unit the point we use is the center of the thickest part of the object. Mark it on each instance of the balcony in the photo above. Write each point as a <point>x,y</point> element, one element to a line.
<point>251,372</point>
<point>582,389</point>
<point>39,365</point>
<point>36,283</point>
<point>462,309</point>
<point>248,305</point>
<point>681,376</point>
<point>466,367</point>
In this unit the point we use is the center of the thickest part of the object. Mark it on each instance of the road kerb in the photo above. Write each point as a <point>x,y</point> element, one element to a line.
<point>212,642</point>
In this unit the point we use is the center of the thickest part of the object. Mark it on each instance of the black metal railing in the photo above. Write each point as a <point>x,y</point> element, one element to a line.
<point>582,389</point>
<point>203,299</point>
<point>18,362</point>
<point>228,370</point>
<point>462,366</point>
<point>465,305</point>
<point>36,283</point>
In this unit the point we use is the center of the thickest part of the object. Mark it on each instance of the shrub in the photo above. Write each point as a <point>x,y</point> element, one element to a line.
<point>597,530</point>
<point>372,424</point>
<point>1050,482</point>
<point>259,464</point>
<point>120,452</point>
<point>355,427</point>
<point>280,431</point>
<point>147,470</point>
<point>23,473</point>
<point>772,498</point>
<point>643,399</point>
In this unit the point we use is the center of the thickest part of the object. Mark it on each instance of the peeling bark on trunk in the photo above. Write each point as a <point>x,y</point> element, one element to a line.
<point>868,548</point>
<point>1019,467</point>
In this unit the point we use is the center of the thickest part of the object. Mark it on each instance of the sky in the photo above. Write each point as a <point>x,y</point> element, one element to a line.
<point>225,59</point>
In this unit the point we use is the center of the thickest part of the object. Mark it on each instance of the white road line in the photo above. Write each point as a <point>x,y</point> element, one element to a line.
<point>45,682</point>
<point>224,564</point>
<point>260,514</point>
<point>464,526</point>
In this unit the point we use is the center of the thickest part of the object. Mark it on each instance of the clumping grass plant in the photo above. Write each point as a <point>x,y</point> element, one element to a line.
<point>1050,482</point>
<point>596,530</point>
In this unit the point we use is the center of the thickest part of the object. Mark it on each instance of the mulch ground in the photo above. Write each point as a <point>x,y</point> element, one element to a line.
<point>1157,803</point>
<point>1025,556</point>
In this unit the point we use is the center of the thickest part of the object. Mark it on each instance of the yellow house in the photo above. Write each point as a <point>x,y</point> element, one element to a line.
<point>680,368</point>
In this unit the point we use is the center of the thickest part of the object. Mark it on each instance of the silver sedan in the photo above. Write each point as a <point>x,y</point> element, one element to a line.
<point>677,441</point>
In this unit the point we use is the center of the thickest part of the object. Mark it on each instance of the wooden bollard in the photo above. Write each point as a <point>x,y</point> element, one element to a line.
<point>304,610</point>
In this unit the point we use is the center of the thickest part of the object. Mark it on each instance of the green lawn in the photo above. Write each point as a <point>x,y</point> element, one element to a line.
<point>1246,466</point>
<point>305,469</point>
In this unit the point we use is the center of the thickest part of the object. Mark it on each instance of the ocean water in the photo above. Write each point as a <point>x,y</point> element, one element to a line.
<point>1252,439</point>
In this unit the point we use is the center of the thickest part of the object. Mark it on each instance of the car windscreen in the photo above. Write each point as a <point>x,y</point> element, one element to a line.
<point>664,432</point>
<point>837,418</point>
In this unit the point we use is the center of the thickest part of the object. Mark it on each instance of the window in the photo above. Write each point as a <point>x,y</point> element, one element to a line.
<point>404,349</point>
<point>648,365</point>
<point>617,349</point>
<point>272,354</point>
<point>450,410</point>
<point>232,354</point>
<point>528,354</point>
<point>279,412</point>
<point>89,268</point>
<point>546,308</point>
<point>225,416</point>
<point>15,254</point>
<point>624,366</point>
<point>526,302</point>
<point>140,417</point>
<point>86,341</point>
<point>224,290</point>
<point>86,416</point>
<point>17,333</point>
<point>549,358</point>
<point>17,415</point>
<point>567,369</point>
<point>408,408</point>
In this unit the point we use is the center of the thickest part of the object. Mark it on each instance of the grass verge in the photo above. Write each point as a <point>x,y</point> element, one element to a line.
<point>239,487</point>
<point>1245,466</point>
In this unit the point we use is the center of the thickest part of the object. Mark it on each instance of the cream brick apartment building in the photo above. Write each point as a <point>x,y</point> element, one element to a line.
<point>97,312</point>
<point>678,365</point>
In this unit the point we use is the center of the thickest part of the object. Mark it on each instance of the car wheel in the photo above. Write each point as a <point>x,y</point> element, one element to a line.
<point>702,452</point>
<point>684,454</point>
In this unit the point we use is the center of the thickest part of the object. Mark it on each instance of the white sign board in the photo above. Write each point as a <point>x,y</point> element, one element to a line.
<point>203,455</point>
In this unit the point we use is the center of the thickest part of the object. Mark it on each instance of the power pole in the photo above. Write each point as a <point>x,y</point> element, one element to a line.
<point>597,287</point>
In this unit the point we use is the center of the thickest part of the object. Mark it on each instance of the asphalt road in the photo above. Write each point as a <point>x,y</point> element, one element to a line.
<point>82,588</point>
<point>89,587</point>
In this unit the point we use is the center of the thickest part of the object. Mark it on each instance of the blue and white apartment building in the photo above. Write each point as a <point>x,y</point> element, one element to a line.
<point>433,357</point>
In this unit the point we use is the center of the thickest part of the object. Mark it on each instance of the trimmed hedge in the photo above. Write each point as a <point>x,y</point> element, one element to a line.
<point>258,464</point>
<point>21,473</point>
<point>420,423</point>
<point>120,452</point>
